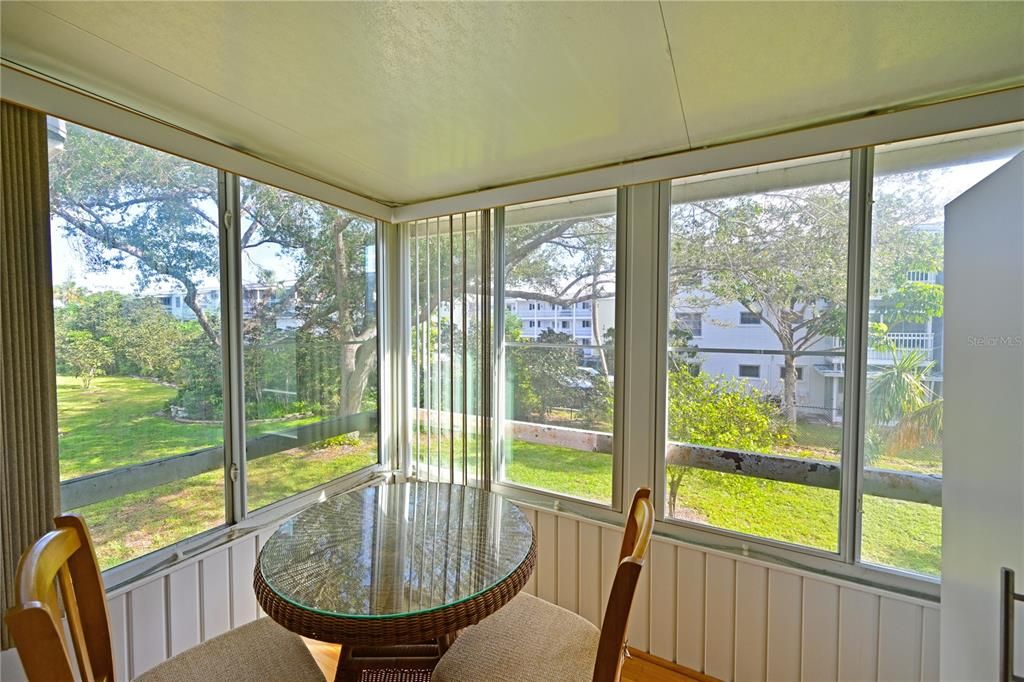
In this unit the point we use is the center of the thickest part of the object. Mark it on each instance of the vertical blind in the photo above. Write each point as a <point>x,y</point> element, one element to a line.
<point>28,401</point>
<point>451,310</point>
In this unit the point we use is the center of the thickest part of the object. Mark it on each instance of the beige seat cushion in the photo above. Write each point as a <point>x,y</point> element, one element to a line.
<point>528,639</point>
<point>260,650</point>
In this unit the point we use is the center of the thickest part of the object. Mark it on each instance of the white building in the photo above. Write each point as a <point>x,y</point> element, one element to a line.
<point>253,297</point>
<point>576,320</point>
<point>729,340</point>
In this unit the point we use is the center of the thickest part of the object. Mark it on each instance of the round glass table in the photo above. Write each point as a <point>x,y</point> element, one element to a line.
<point>395,571</point>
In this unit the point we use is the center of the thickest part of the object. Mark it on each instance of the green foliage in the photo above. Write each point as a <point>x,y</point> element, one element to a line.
<point>344,440</point>
<point>783,255</point>
<point>912,302</point>
<point>555,377</point>
<point>523,400</point>
<point>722,412</point>
<point>83,355</point>
<point>719,412</point>
<point>902,409</point>
<point>128,207</point>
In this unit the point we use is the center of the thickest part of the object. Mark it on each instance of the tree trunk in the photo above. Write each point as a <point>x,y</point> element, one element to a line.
<point>789,387</point>
<point>360,363</point>
<point>595,326</point>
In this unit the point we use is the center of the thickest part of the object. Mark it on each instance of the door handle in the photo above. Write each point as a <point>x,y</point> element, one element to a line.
<point>1009,596</point>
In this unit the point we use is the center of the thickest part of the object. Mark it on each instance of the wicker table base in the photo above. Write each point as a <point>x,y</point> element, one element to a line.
<point>412,657</point>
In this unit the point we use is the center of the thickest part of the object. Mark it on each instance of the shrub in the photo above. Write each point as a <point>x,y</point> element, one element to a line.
<point>720,412</point>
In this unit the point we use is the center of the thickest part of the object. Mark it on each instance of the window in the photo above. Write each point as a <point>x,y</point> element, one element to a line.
<point>532,324</point>
<point>135,244</point>
<point>749,318</point>
<point>690,322</point>
<point>750,371</point>
<point>915,182</point>
<point>532,306</point>
<point>140,324</point>
<point>585,324</point>
<point>309,342</point>
<point>779,230</point>
<point>446,263</point>
<point>799,373</point>
<point>567,250</point>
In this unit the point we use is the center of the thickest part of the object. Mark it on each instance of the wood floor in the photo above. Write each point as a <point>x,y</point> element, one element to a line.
<point>640,667</point>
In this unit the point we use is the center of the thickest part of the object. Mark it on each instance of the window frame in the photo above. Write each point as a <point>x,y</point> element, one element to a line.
<point>608,512</point>
<point>903,123</point>
<point>749,319</point>
<point>238,520</point>
<point>746,367</point>
<point>846,562</point>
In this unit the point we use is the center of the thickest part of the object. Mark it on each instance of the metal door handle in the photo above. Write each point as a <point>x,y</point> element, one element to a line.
<point>1009,596</point>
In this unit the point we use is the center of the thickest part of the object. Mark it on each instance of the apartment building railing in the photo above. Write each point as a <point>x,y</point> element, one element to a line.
<point>898,342</point>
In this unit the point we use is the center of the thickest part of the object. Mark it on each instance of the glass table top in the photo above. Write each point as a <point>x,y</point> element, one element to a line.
<point>396,549</point>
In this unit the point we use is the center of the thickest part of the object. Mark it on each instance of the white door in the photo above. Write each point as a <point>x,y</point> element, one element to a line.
<point>983,455</point>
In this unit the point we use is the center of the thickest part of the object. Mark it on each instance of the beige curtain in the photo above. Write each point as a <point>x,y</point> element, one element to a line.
<point>29,476</point>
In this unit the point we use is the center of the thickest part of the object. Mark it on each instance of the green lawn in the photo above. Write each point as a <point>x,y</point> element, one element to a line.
<point>896,533</point>
<point>119,421</point>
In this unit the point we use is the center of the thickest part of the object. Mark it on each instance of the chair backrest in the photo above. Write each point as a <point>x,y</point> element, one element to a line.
<point>63,557</point>
<point>636,539</point>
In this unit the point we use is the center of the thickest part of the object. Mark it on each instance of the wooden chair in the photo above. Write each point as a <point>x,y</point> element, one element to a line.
<point>531,639</point>
<point>65,556</point>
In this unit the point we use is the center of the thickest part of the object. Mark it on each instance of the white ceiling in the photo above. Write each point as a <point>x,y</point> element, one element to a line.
<point>406,101</point>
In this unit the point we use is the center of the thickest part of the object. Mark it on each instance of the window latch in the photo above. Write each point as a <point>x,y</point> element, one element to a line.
<point>229,218</point>
<point>233,473</point>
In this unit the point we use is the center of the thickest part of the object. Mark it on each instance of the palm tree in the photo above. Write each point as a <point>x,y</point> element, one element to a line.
<point>903,410</point>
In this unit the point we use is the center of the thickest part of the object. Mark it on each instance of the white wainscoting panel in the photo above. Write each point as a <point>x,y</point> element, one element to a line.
<point>728,617</point>
<point>739,619</point>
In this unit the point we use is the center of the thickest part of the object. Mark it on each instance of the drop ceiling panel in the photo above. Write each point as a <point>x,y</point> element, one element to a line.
<point>397,101</point>
<point>748,68</point>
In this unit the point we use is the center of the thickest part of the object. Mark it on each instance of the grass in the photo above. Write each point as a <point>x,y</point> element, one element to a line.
<point>119,421</point>
<point>571,472</point>
<point>895,533</point>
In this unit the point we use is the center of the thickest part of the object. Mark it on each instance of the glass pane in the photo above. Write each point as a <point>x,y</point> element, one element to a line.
<point>914,181</point>
<point>446,266</point>
<point>560,260</point>
<point>136,274</point>
<point>756,339</point>
<point>309,316</point>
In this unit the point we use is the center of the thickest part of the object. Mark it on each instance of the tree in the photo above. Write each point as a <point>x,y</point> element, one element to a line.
<point>141,337</point>
<point>126,205</point>
<point>783,256</point>
<point>83,355</point>
<point>554,371</point>
<point>131,208</point>
<point>565,262</point>
<point>903,410</point>
<point>333,293</point>
<point>718,412</point>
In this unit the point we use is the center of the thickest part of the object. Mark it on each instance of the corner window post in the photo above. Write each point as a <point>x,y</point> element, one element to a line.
<point>229,209</point>
<point>858,298</point>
